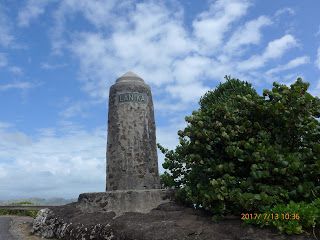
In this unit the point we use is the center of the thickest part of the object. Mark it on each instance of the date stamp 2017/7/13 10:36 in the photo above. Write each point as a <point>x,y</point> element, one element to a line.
<point>271,216</point>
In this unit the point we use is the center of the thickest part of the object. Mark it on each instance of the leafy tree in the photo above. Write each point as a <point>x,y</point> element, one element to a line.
<point>245,152</point>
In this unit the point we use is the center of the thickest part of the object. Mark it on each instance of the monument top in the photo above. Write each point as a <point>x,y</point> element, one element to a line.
<point>129,76</point>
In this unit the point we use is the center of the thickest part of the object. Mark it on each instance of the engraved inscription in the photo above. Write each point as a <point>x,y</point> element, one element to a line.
<point>132,97</point>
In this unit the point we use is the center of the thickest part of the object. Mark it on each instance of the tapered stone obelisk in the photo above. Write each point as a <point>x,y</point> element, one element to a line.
<point>132,161</point>
<point>133,183</point>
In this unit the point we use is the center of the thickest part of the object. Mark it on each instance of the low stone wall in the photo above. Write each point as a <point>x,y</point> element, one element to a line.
<point>48,225</point>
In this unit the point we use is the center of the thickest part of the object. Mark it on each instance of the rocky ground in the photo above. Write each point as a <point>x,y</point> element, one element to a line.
<point>167,222</point>
<point>20,228</point>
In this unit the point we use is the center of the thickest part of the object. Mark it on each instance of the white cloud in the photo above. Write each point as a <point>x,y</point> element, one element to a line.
<point>211,26</point>
<point>151,44</point>
<point>278,47</point>
<point>65,162</point>
<point>167,107</point>
<point>318,32</point>
<point>3,172</point>
<point>187,92</point>
<point>274,50</point>
<point>250,33</point>
<point>78,109</point>
<point>32,10</point>
<point>16,70</point>
<point>317,62</point>
<point>147,44</point>
<point>49,66</point>
<point>95,64</point>
<point>288,79</point>
<point>315,91</point>
<point>291,64</point>
<point>6,36</point>
<point>75,109</point>
<point>152,40</point>
<point>3,60</point>
<point>191,69</point>
<point>167,136</point>
<point>285,11</point>
<point>16,85</point>
<point>99,13</point>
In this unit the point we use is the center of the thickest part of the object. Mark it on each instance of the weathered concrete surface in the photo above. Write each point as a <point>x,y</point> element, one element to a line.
<point>122,201</point>
<point>132,161</point>
<point>4,228</point>
<point>20,228</point>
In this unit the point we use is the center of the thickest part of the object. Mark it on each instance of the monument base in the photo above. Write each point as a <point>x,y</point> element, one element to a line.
<point>121,201</point>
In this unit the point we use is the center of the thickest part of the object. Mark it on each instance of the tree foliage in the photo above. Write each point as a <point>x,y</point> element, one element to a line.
<point>245,152</point>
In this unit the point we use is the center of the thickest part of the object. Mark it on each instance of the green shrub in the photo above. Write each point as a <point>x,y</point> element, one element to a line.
<point>242,152</point>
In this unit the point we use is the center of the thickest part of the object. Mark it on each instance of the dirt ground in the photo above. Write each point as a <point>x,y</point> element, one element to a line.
<point>172,222</point>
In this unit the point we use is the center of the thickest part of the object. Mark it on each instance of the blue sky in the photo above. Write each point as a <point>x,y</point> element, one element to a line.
<point>58,59</point>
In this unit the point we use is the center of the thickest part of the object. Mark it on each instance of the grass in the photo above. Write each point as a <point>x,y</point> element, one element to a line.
<point>29,213</point>
<point>21,203</point>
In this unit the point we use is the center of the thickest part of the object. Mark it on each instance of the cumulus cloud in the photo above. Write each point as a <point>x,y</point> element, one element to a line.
<point>148,44</point>
<point>95,64</point>
<point>211,26</point>
<point>187,92</point>
<point>16,85</point>
<point>16,70</point>
<point>152,40</point>
<point>49,66</point>
<point>285,11</point>
<point>6,36</point>
<point>296,62</point>
<point>274,50</point>
<point>99,13</point>
<point>278,47</point>
<point>154,43</point>
<point>61,162</point>
<point>78,109</point>
<point>316,89</point>
<point>165,106</point>
<point>51,164</point>
<point>32,10</point>
<point>167,136</point>
<point>317,62</point>
<point>3,60</point>
<point>248,34</point>
<point>197,66</point>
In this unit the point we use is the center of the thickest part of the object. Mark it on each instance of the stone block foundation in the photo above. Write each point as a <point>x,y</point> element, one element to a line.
<point>121,201</point>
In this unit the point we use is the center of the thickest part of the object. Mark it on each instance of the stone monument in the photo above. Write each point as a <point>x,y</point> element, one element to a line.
<point>131,150</point>
<point>132,183</point>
